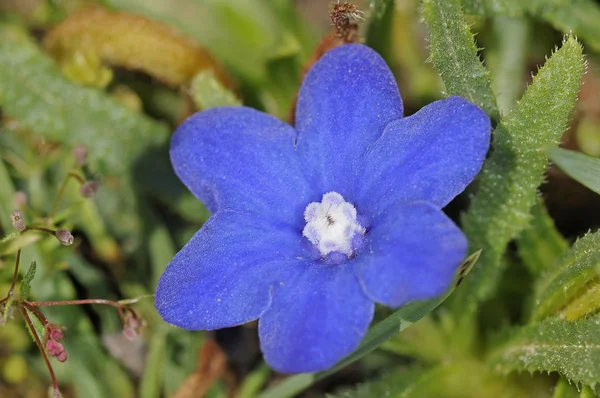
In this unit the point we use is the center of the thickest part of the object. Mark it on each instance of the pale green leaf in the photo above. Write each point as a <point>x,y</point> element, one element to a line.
<point>571,348</point>
<point>379,28</point>
<point>582,168</point>
<point>577,16</point>
<point>26,281</point>
<point>207,92</point>
<point>454,55</point>
<point>565,389</point>
<point>35,93</point>
<point>507,189</point>
<point>540,244</point>
<point>568,277</point>
<point>506,58</point>
<point>462,378</point>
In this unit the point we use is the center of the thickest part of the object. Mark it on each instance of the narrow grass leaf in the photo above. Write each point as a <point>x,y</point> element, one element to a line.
<point>379,28</point>
<point>582,168</point>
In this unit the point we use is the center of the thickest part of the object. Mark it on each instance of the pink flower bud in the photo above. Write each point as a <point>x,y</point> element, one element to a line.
<point>130,333</point>
<point>16,216</point>
<point>56,334</point>
<point>64,237</point>
<point>88,189</point>
<point>80,154</point>
<point>62,356</point>
<point>54,348</point>
<point>20,199</point>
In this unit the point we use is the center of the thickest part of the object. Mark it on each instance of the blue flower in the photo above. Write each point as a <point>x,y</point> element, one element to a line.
<point>313,225</point>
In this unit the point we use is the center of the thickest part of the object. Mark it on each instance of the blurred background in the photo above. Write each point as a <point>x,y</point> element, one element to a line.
<point>116,77</point>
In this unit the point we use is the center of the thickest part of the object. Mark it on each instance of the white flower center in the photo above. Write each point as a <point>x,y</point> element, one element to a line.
<point>331,224</point>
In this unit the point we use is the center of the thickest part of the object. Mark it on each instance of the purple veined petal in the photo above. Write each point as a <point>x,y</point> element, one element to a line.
<point>225,274</point>
<point>318,316</point>
<point>344,104</point>
<point>430,156</point>
<point>241,159</point>
<point>412,253</point>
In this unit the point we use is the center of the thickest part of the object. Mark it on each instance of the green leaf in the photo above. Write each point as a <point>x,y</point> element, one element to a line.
<point>35,93</point>
<point>507,189</point>
<point>208,92</point>
<point>565,389</point>
<point>453,379</point>
<point>152,379</point>
<point>571,348</point>
<point>26,281</point>
<point>254,381</point>
<point>506,58</point>
<point>540,244</point>
<point>454,55</point>
<point>489,8</point>
<point>573,275</point>
<point>377,335</point>
<point>577,16</point>
<point>397,383</point>
<point>582,168</point>
<point>379,28</point>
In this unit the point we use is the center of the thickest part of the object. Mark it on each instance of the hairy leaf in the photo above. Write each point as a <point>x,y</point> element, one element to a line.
<point>582,168</point>
<point>540,244</point>
<point>26,281</point>
<point>577,16</point>
<point>510,177</point>
<point>571,348</point>
<point>568,278</point>
<point>33,91</point>
<point>454,55</point>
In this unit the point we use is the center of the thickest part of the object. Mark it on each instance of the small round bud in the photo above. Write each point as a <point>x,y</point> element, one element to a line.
<point>18,223</point>
<point>62,357</point>
<point>20,199</point>
<point>54,348</point>
<point>56,334</point>
<point>80,154</point>
<point>64,237</point>
<point>130,333</point>
<point>88,189</point>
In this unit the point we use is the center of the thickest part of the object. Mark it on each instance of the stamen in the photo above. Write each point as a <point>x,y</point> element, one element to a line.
<point>331,225</point>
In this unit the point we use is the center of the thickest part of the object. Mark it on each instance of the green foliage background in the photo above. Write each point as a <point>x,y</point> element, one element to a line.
<point>524,322</point>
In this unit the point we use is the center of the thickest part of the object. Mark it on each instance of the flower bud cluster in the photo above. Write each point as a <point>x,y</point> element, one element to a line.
<point>55,349</point>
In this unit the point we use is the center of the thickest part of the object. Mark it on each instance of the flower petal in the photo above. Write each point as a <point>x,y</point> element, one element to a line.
<point>318,316</point>
<point>345,102</point>
<point>224,275</point>
<point>430,156</point>
<point>242,159</point>
<point>412,253</point>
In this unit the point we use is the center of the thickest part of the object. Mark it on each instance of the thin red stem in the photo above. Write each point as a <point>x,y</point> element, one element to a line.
<point>15,275</point>
<point>41,348</point>
<point>120,307</point>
